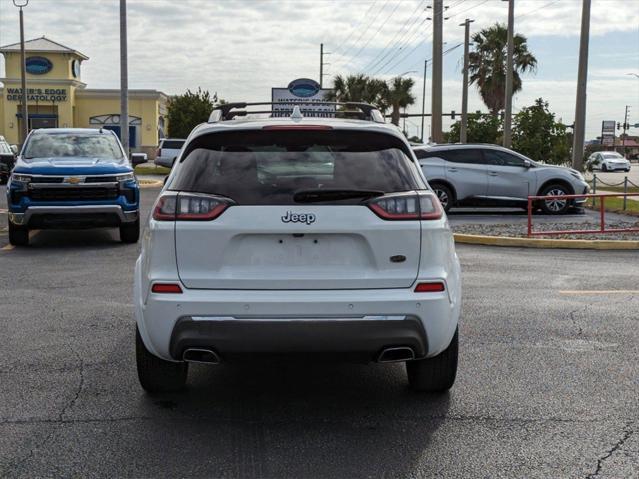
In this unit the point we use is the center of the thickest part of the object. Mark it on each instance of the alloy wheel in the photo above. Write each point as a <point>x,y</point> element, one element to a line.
<point>555,204</point>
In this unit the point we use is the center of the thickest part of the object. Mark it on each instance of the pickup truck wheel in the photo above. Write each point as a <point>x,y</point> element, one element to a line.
<point>18,235</point>
<point>155,374</point>
<point>4,179</point>
<point>555,206</point>
<point>130,232</point>
<point>436,374</point>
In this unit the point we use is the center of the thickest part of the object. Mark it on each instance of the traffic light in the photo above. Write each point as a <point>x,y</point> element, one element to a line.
<point>618,126</point>
<point>452,115</point>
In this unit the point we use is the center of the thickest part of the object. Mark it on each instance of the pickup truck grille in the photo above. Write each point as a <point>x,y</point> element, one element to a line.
<point>74,193</point>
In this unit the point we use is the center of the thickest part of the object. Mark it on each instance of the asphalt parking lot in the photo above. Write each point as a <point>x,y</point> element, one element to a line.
<point>547,387</point>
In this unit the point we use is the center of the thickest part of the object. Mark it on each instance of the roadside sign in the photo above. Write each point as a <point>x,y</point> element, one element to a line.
<point>298,92</point>
<point>608,132</point>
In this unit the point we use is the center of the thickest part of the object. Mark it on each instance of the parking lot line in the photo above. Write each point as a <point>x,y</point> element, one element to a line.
<point>608,291</point>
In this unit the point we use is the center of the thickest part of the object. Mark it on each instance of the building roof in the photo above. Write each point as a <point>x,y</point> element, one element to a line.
<point>41,44</point>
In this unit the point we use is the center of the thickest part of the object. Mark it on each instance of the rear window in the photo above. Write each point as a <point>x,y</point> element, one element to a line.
<point>172,144</point>
<point>267,167</point>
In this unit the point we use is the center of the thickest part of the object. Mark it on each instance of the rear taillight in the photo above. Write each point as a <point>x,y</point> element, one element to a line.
<point>166,288</point>
<point>436,287</point>
<point>414,206</point>
<point>188,207</point>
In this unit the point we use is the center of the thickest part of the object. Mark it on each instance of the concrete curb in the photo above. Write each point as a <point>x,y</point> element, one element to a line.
<point>151,184</point>
<point>546,243</point>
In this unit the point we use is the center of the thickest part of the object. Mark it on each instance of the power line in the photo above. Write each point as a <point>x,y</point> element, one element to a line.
<point>397,4</point>
<point>403,45</point>
<point>363,32</point>
<point>414,18</point>
<point>519,17</point>
<point>468,9</point>
<point>354,29</point>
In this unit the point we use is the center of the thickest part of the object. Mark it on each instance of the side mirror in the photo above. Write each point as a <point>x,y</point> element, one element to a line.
<point>138,158</point>
<point>528,164</point>
<point>14,148</point>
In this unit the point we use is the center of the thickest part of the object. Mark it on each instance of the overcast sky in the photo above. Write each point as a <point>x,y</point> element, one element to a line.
<point>242,48</point>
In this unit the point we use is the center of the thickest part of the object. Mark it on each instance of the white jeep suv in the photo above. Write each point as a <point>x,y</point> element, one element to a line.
<point>297,235</point>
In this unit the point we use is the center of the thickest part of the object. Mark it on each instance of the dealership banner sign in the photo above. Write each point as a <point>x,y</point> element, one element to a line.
<point>302,92</point>
<point>608,132</point>
<point>38,94</point>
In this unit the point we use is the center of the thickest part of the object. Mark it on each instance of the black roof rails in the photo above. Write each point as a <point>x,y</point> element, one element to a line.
<point>357,110</point>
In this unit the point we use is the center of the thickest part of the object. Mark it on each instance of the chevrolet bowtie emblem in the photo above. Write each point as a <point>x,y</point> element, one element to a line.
<point>74,180</point>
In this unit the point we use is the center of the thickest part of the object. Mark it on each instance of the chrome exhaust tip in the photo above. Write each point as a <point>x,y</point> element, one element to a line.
<point>197,355</point>
<point>394,355</point>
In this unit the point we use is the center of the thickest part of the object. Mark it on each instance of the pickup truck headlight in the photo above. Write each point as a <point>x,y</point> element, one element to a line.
<point>20,178</point>
<point>126,177</point>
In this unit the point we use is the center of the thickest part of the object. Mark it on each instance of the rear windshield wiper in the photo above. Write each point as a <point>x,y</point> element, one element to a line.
<point>316,195</point>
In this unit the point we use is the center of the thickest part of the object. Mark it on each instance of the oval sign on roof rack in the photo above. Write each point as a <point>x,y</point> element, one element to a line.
<point>304,87</point>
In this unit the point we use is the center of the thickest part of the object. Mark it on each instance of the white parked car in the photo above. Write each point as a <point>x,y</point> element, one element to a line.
<point>168,150</point>
<point>297,235</point>
<point>607,161</point>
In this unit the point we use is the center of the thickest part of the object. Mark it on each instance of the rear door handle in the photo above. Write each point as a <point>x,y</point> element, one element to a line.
<point>452,170</point>
<point>493,173</point>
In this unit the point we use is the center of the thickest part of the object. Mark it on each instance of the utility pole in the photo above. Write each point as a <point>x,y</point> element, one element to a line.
<point>464,116</point>
<point>508,100</point>
<point>625,127</point>
<point>582,77</point>
<point>23,73</point>
<point>124,81</point>
<point>436,96</point>
<point>321,82</point>
<point>424,98</point>
<point>322,64</point>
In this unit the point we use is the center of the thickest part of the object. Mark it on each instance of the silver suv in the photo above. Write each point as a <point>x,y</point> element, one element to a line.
<point>488,175</point>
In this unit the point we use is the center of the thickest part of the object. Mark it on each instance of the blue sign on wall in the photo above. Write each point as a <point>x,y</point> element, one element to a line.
<point>304,87</point>
<point>38,65</point>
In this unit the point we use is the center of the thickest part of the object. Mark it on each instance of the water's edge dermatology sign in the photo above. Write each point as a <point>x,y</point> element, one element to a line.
<point>38,94</point>
<point>302,92</point>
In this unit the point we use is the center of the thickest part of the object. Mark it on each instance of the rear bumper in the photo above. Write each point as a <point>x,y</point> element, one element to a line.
<point>361,322</point>
<point>93,215</point>
<point>361,339</point>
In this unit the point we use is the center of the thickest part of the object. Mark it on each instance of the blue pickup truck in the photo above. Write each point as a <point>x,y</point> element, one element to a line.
<point>72,178</point>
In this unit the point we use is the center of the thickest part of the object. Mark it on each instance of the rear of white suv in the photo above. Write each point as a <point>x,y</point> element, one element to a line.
<point>297,237</point>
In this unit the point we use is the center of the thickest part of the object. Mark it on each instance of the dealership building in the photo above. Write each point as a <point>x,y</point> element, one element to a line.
<point>57,97</point>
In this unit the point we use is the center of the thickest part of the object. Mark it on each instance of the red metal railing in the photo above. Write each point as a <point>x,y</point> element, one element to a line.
<point>602,214</point>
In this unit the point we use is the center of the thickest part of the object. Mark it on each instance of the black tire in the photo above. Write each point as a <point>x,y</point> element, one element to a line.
<point>604,168</point>
<point>18,235</point>
<point>555,207</point>
<point>155,374</point>
<point>444,194</point>
<point>130,232</point>
<point>4,179</point>
<point>436,374</point>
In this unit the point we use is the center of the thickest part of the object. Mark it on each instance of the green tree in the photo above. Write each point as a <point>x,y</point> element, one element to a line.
<point>359,88</point>
<point>188,110</point>
<point>482,128</point>
<point>537,135</point>
<point>399,95</point>
<point>487,64</point>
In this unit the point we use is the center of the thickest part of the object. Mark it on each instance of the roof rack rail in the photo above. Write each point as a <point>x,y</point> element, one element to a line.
<point>352,110</point>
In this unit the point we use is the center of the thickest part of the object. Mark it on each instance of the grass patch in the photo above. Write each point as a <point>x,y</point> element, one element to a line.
<point>151,170</point>
<point>615,205</point>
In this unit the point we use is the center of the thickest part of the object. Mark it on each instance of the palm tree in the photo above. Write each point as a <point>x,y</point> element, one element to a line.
<point>359,88</point>
<point>399,96</point>
<point>487,64</point>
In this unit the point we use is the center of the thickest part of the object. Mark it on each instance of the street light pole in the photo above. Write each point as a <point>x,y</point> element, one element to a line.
<point>464,116</point>
<point>124,80</point>
<point>23,74</point>
<point>508,100</point>
<point>582,77</point>
<point>424,98</point>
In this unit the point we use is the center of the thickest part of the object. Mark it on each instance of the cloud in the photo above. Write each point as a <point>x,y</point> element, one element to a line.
<point>242,48</point>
